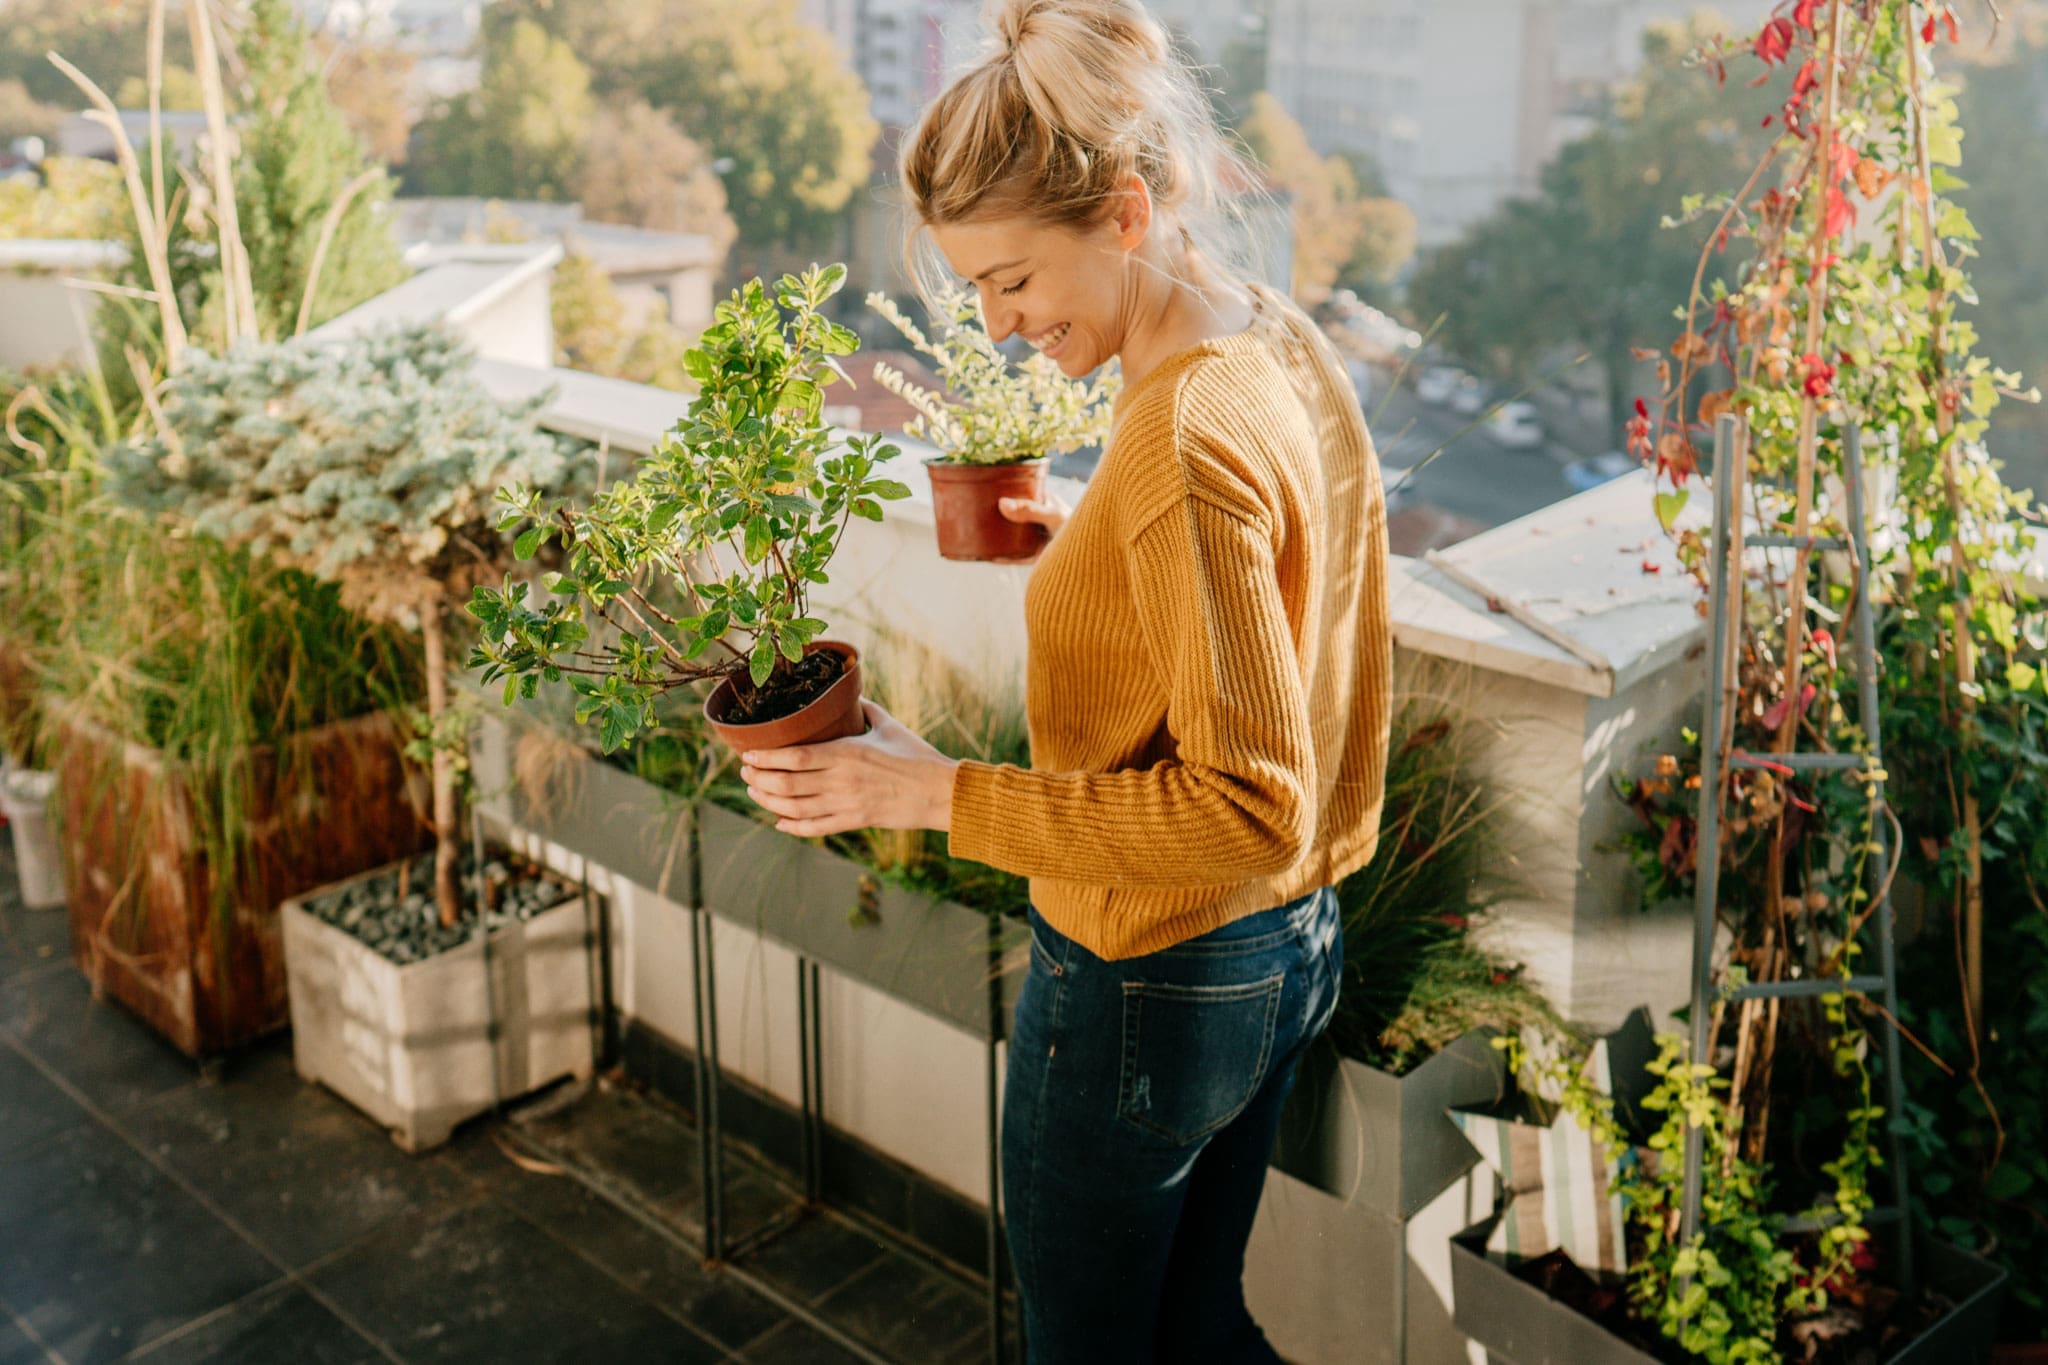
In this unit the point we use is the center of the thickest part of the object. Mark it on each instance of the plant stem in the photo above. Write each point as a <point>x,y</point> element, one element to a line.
<point>446,852</point>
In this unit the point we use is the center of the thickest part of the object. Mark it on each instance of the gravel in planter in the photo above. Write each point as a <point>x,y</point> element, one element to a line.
<point>409,929</point>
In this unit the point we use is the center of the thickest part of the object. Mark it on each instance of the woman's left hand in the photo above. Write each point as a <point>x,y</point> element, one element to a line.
<point>887,778</point>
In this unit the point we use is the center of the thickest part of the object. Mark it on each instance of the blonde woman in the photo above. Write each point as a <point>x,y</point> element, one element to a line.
<point>1207,692</point>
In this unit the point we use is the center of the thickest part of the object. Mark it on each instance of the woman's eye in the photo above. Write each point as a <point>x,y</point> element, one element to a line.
<point>1011,289</point>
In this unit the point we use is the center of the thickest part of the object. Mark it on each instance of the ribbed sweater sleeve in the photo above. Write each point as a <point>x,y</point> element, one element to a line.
<point>1235,802</point>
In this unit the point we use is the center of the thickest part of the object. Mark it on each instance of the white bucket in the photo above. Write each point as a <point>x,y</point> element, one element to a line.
<point>25,796</point>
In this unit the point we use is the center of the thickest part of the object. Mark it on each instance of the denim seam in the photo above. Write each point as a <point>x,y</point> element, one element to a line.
<point>1031,1239</point>
<point>1272,987</point>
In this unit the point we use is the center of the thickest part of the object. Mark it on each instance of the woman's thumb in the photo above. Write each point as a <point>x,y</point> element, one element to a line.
<point>1023,509</point>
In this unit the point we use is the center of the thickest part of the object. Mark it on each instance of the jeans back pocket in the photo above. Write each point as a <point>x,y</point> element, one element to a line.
<point>1194,1056</point>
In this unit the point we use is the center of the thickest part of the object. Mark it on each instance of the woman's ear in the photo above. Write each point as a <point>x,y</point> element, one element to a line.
<point>1133,213</point>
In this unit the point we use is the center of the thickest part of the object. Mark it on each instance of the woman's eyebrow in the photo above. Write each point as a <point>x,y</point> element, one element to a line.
<point>1006,265</point>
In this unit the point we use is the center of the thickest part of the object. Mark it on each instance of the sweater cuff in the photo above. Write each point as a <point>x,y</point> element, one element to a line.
<point>977,804</point>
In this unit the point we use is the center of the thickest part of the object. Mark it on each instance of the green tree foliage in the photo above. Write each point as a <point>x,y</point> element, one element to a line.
<point>1586,262</point>
<point>76,197</point>
<point>592,331</point>
<point>180,91</point>
<point>106,39</point>
<point>298,155</point>
<point>752,83</point>
<point>520,133</point>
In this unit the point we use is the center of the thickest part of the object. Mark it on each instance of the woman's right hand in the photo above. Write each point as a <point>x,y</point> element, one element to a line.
<point>1049,511</point>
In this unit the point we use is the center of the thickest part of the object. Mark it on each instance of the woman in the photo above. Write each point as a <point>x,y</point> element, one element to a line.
<point>1207,692</point>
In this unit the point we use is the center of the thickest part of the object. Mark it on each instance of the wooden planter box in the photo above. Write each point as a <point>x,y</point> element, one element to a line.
<point>413,1046</point>
<point>1379,1142</point>
<point>1517,1321</point>
<point>142,892</point>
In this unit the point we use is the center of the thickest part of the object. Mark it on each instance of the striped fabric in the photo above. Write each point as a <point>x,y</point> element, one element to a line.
<point>1558,1182</point>
<point>1210,655</point>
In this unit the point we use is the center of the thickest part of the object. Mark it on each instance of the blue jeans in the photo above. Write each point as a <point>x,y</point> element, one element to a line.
<point>1138,1117</point>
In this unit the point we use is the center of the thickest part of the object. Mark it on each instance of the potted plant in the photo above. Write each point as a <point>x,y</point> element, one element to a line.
<point>371,464</point>
<point>996,425</point>
<point>699,567</point>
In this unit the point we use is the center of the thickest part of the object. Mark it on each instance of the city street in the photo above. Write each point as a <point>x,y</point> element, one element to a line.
<point>1475,477</point>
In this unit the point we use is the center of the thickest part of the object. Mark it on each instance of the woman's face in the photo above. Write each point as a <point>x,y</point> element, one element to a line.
<point>1067,292</point>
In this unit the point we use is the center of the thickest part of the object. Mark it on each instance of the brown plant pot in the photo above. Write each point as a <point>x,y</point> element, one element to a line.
<point>142,892</point>
<point>964,504</point>
<point>834,715</point>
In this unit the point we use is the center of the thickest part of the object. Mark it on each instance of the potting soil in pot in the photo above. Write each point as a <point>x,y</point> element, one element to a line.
<point>408,928</point>
<point>809,680</point>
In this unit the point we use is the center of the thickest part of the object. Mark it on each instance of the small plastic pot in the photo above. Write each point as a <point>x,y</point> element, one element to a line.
<point>834,715</point>
<point>964,505</point>
<point>25,797</point>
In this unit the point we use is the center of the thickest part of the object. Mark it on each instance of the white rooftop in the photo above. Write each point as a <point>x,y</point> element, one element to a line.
<point>1594,569</point>
<point>450,291</point>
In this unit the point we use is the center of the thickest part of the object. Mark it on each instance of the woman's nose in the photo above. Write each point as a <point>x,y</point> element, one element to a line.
<point>1000,321</point>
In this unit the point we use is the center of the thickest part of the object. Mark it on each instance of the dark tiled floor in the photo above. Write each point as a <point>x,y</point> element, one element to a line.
<point>150,1213</point>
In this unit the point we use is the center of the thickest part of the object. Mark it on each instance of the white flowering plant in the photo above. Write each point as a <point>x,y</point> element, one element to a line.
<point>990,411</point>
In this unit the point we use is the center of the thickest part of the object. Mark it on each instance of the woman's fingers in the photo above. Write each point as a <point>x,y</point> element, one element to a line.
<point>1037,512</point>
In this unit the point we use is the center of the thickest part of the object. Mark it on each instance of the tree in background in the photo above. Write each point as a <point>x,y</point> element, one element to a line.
<point>592,333</point>
<point>639,168</point>
<point>299,159</point>
<point>1587,261</point>
<point>77,197</point>
<point>105,37</point>
<point>520,133</point>
<point>764,92</point>
<point>369,83</point>
<point>1340,233</point>
<point>180,91</point>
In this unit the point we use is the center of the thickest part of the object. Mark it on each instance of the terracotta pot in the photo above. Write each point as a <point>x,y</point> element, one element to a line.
<point>835,715</point>
<point>971,525</point>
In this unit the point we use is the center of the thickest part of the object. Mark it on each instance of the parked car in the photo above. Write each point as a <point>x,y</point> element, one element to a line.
<point>1516,425</point>
<point>1436,384</point>
<point>1594,470</point>
<point>1468,397</point>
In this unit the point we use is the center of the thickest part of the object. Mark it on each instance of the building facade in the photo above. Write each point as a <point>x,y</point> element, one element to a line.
<point>1459,105</point>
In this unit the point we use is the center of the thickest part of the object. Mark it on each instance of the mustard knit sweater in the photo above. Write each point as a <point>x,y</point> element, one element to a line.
<point>1210,659</point>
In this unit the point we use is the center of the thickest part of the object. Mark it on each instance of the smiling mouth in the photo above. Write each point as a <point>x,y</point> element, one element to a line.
<point>1047,341</point>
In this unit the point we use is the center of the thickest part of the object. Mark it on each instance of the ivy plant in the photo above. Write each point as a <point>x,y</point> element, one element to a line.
<point>700,566</point>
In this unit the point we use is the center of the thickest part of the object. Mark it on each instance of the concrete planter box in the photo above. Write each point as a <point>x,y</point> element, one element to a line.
<point>412,1045</point>
<point>1517,1321</point>
<point>142,890</point>
<point>933,955</point>
<point>1382,1143</point>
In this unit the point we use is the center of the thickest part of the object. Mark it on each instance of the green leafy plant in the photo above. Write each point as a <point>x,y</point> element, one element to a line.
<point>1843,313</point>
<point>712,547</point>
<point>370,464</point>
<point>988,410</point>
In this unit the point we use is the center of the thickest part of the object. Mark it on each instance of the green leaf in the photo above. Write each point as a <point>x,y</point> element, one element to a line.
<point>889,489</point>
<point>792,648</point>
<point>2021,676</point>
<point>762,661</point>
<point>528,542</point>
<point>758,540</point>
<point>1669,505</point>
<point>867,507</point>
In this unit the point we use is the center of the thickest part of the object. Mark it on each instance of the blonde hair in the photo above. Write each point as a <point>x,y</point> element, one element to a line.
<point>1068,101</point>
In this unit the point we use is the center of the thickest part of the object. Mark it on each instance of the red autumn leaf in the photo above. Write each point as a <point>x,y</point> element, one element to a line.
<point>1774,715</point>
<point>1927,30</point>
<point>1841,214</point>
<point>1824,641</point>
<point>1802,13</point>
<point>1948,21</point>
<point>1774,42</point>
<point>1803,83</point>
<point>1842,161</point>
<point>1642,408</point>
<point>1819,376</point>
<point>1652,566</point>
